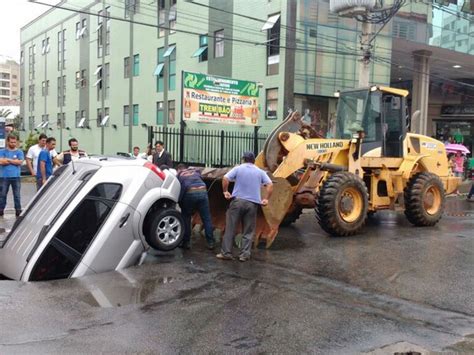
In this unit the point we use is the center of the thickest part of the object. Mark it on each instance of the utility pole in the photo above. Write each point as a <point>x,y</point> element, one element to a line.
<point>365,46</point>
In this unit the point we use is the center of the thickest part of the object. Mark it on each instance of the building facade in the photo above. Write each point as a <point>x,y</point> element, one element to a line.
<point>9,80</point>
<point>105,70</point>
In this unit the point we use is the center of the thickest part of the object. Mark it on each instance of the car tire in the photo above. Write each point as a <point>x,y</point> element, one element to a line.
<point>165,230</point>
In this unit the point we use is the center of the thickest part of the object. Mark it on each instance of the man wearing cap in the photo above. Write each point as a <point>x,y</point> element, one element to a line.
<point>243,208</point>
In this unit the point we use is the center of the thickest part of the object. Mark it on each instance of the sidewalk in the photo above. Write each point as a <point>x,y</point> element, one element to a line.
<point>28,190</point>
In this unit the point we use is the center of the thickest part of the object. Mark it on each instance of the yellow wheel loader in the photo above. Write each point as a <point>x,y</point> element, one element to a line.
<point>371,163</point>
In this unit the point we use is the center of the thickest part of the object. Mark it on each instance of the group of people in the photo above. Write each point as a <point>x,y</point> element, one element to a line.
<point>243,208</point>
<point>40,161</point>
<point>244,200</point>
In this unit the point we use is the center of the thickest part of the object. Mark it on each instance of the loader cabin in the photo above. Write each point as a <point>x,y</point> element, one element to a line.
<point>380,112</point>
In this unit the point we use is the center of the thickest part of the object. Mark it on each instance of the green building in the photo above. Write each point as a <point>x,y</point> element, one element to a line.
<point>104,71</point>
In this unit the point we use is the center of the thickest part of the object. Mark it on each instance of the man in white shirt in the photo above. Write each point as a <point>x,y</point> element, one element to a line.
<point>33,154</point>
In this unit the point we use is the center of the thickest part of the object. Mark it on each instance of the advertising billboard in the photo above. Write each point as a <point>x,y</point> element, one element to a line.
<point>214,99</point>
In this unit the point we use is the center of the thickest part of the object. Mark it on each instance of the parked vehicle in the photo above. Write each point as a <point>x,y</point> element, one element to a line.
<point>94,215</point>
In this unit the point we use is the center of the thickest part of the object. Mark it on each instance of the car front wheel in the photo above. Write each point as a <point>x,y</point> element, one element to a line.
<point>166,230</point>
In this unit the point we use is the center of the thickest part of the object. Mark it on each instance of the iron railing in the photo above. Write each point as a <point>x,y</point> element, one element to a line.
<point>206,147</point>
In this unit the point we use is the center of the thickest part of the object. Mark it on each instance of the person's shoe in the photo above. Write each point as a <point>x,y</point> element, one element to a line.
<point>244,258</point>
<point>17,213</point>
<point>211,245</point>
<point>1,212</point>
<point>224,257</point>
<point>185,245</point>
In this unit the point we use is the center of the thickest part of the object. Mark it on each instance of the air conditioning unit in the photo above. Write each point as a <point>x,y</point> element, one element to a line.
<point>343,7</point>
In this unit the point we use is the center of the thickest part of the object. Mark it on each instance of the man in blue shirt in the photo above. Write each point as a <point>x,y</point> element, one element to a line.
<point>45,163</point>
<point>11,159</point>
<point>243,208</point>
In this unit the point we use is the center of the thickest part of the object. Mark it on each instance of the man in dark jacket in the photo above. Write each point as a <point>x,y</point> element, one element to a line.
<point>194,197</point>
<point>161,156</point>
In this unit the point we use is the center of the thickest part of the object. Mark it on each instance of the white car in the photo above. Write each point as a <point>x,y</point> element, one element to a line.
<point>93,215</point>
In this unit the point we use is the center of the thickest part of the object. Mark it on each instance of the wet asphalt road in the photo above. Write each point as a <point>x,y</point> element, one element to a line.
<point>395,284</point>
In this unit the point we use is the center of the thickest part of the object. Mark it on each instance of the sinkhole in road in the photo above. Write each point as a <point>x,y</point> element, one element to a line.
<point>112,295</point>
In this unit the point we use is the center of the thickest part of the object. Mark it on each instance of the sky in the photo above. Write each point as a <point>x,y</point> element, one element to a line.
<point>14,15</point>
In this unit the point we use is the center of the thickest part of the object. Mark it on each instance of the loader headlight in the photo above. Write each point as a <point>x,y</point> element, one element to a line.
<point>373,88</point>
<point>337,94</point>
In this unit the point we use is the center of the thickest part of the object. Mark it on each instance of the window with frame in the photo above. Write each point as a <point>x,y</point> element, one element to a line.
<point>106,81</point>
<point>45,46</point>
<point>159,71</point>
<point>272,26</point>
<point>31,98</point>
<point>219,44</point>
<point>22,57</point>
<point>105,116</point>
<point>131,7</point>
<point>172,70</point>
<point>126,115</point>
<point>203,48</point>
<point>61,120</point>
<point>99,72</point>
<point>159,113</point>
<point>45,88</point>
<point>126,67</point>
<point>172,17</point>
<point>72,240</point>
<point>135,115</point>
<point>161,18</point>
<point>81,29</point>
<point>103,44</point>
<point>136,65</point>
<point>271,104</point>
<point>171,112</point>
<point>45,120</point>
<point>31,62</point>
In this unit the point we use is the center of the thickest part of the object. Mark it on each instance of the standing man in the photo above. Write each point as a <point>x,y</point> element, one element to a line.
<point>11,159</point>
<point>161,156</point>
<point>73,153</point>
<point>193,197</point>
<point>33,154</point>
<point>243,208</point>
<point>45,163</point>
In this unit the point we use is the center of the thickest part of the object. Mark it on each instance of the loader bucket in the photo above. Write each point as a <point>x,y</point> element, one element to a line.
<point>268,218</point>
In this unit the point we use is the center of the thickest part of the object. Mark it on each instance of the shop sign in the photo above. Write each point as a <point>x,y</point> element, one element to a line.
<point>214,99</point>
<point>452,110</point>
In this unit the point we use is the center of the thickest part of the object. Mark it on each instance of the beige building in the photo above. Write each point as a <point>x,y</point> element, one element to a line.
<point>9,79</point>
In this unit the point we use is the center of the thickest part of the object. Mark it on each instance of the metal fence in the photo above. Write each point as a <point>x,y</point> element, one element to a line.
<point>216,148</point>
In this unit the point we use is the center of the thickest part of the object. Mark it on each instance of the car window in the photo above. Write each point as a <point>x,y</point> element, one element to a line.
<point>107,191</point>
<point>53,265</point>
<point>77,232</point>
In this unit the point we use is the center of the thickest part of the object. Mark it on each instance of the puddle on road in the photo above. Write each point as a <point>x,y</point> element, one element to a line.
<point>109,296</point>
<point>400,348</point>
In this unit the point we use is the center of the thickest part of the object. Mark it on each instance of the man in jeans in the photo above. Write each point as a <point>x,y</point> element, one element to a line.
<point>243,208</point>
<point>45,163</point>
<point>11,159</point>
<point>193,197</point>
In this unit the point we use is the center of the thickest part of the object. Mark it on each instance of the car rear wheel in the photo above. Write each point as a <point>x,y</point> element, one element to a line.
<point>166,230</point>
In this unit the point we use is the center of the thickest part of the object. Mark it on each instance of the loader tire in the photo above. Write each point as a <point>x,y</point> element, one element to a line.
<point>341,208</point>
<point>291,217</point>
<point>424,199</point>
